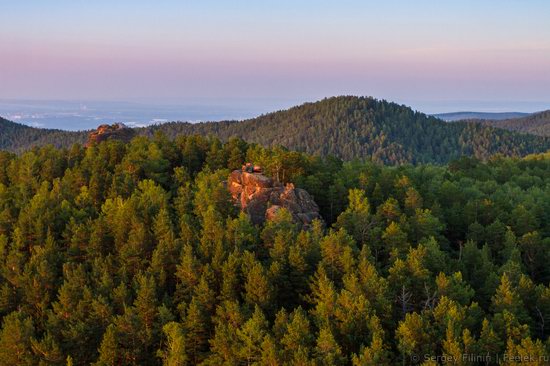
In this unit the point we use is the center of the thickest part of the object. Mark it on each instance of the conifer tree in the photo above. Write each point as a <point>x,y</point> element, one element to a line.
<point>109,352</point>
<point>327,351</point>
<point>251,337</point>
<point>173,353</point>
<point>15,340</point>
<point>258,288</point>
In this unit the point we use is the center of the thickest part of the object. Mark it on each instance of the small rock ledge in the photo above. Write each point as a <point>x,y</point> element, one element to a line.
<point>262,199</point>
<point>117,131</point>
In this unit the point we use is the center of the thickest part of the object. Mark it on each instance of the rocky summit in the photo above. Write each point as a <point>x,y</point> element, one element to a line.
<point>262,198</point>
<point>117,131</point>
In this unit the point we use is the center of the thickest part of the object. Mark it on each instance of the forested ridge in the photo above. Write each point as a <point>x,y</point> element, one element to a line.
<point>360,127</point>
<point>536,124</point>
<point>347,127</point>
<point>134,254</point>
<point>18,137</point>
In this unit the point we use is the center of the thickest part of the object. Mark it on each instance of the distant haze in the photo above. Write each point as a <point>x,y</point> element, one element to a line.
<point>257,56</point>
<point>457,116</point>
<point>85,115</point>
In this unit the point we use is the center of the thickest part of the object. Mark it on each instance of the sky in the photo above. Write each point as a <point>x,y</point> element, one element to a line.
<point>435,55</point>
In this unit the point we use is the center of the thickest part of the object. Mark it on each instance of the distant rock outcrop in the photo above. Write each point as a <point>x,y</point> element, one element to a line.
<point>117,131</point>
<point>261,198</point>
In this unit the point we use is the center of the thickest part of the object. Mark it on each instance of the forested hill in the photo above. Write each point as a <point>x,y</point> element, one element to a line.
<point>18,137</point>
<point>358,127</point>
<point>347,127</point>
<point>536,124</point>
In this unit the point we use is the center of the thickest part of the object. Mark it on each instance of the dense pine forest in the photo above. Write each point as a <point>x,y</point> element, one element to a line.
<point>134,254</point>
<point>17,137</point>
<point>536,124</point>
<point>355,127</point>
<point>345,127</point>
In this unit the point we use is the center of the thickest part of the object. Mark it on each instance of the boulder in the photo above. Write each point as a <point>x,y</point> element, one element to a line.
<point>256,180</point>
<point>117,131</point>
<point>236,176</point>
<point>262,198</point>
<point>256,209</point>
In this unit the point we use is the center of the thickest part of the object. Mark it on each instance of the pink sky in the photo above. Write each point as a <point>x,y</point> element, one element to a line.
<point>174,52</point>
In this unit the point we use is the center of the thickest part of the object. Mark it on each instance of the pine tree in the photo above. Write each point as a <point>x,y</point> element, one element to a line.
<point>109,352</point>
<point>454,288</point>
<point>41,276</point>
<point>535,255</point>
<point>196,327</point>
<point>338,253</point>
<point>224,345</point>
<point>413,337</point>
<point>532,352</point>
<point>409,280</point>
<point>523,220</point>
<point>163,261</point>
<point>241,234</point>
<point>48,349</point>
<point>251,337</point>
<point>187,273</point>
<point>376,353</point>
<point>270,353</point>
<point>323,297</point>
<point>15,340</point>
<point>327,351</point>
<point>146,310</point>
<point>395,240</point>
<point>212,235</point>
<point>231,278</point>
<point>506,299</point>
<point>173,353</point>
<point>258,288</point>
<point>489,343</point>
<point>356,219</point>
<point>413,201</point>
<point>297,340</point>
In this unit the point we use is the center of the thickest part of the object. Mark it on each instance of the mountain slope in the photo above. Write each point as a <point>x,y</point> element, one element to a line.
<point>536,124</point>
<point>354,127</point>
<point>18,137</point>
<point>347,127</point>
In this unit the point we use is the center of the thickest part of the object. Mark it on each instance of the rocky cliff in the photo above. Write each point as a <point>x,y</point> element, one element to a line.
<point>117,131</point>
<point>261,198</point>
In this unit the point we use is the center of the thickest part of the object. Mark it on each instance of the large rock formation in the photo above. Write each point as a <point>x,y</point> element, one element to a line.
<point>117,131</point>
<point>261,198</point>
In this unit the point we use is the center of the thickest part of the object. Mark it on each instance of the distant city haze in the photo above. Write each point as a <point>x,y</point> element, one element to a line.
<point>149,61</point>
<point>85,115</point>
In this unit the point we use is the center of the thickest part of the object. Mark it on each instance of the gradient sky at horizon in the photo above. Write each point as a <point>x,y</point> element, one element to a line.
<point>424,52</point>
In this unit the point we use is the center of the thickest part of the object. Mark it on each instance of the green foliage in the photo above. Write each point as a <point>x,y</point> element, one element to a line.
<point>536,124</point>
<point>131,254</point>
<point>347,127</point>
<point>174,353</point>
<point>15,340</point>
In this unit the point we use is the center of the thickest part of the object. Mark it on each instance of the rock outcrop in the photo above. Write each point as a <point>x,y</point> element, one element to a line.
<point>117,131</point>
<point>261,198</point>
